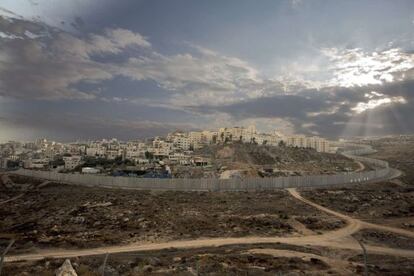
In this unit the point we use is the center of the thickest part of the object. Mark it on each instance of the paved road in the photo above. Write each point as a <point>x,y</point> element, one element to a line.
<point>340,239</point>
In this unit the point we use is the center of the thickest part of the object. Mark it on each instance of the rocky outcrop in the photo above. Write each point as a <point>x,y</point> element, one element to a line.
<point>66,269</point>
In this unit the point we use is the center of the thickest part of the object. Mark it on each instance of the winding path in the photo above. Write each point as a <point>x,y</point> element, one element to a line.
<point>340,239</point>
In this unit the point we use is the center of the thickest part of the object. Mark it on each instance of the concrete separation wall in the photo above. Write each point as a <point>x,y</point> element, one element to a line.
<point>246,184</point>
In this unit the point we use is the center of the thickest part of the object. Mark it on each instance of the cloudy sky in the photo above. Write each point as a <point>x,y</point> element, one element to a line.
<point>131,69</point>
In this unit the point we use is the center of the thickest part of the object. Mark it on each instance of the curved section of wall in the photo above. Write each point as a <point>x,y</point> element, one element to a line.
<point>353,151</point>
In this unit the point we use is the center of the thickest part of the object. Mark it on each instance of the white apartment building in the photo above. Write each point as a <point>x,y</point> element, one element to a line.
<point>113,153</point>
<point>133,154</point>
<point>208,137</point>
<point>96,151</point>
<point>72,162</point>
<point>161,152</point>
<point>301,141</point>
<point>196,139</point>
<point>75,149</point>
<point>181,142</point>
<point>296,141</point>
<point>180,158</point>
<point>245,135</point>
<point>322,145</point>
<point>161,148</point>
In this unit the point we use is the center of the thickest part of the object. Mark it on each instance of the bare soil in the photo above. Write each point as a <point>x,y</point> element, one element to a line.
<point>384,265</point>
<point>74,217</point>
<point>19,179</point>
<point>390,203</point>
<point>372,202</point>
<point>399,152</point>
<point>78,217</point>
<point>270,161</point>
<point>384,238</point>
<point>229,260</point>
<point>226,260</point>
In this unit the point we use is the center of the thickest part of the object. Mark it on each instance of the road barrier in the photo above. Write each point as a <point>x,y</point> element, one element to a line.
<point>381,172</point>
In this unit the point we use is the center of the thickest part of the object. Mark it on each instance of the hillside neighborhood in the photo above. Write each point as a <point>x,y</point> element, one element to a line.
<point>178,154</point>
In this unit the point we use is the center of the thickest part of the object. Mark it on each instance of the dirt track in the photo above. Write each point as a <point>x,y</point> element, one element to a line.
<point>340,239</point>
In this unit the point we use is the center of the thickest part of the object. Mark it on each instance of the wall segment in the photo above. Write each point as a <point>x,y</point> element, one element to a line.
<point>381,172</point>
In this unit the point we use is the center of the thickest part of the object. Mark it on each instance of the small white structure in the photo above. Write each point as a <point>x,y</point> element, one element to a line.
<point>89,170</point>
<point>35,163</point>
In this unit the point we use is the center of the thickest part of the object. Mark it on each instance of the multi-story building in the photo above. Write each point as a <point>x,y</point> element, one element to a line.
<point>209,137</point>
<point>196,139</point>
<point>245,135</point>
<point>181,142</point>
<point>322,145</point>
<point>180,158</point>
<point>113,153</point>
<point>301,141</point>
<point>97,151</point>
<point>296,141</point>
<point>71,162</point>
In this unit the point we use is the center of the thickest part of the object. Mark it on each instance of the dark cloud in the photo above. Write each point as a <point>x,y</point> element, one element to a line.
<point>329,111</point>
<point>97,79</point>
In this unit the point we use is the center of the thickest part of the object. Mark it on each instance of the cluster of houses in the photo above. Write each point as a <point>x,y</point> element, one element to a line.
<point>176,148</point>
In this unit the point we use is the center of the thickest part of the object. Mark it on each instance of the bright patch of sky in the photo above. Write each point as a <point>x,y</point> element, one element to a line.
<point>354,67</point>
<point>375,100</point>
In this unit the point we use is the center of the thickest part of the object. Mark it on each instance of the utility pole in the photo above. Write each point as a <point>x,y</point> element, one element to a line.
<point>364,250</point>
<point>4,254</point>
<point>104,264</point>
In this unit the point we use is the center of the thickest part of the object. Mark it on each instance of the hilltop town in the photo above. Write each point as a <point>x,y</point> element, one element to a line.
<point>194,154</point>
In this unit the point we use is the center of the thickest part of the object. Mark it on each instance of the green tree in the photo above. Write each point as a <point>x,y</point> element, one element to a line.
<point>149,155</point>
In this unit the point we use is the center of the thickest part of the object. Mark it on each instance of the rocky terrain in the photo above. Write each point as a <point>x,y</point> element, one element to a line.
<point>270,161</point>
<point>376,202</point>
<point>70,216</point>
<point>390,203</point>
<point>40,215</point>
<point>399,152</point>
<point>263,259</point>
<point>381,238</point>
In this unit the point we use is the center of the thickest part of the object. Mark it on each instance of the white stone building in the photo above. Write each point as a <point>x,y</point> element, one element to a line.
<point>72,162</point>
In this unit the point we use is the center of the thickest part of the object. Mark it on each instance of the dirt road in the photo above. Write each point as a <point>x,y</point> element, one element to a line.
<point>361,166</point>
<point>340,239</point>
